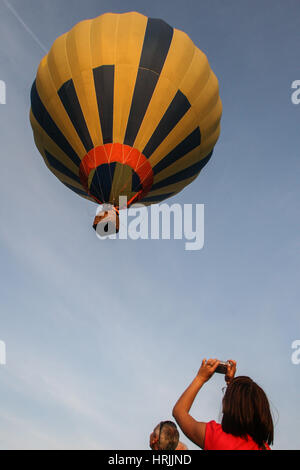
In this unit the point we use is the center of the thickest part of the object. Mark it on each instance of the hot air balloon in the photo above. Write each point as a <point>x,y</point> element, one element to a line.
<point>125,105</point>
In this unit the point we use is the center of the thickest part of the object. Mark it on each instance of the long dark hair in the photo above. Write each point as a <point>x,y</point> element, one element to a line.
<point>246,411</point>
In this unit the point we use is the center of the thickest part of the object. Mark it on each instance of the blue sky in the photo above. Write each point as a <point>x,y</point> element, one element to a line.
<point>103,336</point>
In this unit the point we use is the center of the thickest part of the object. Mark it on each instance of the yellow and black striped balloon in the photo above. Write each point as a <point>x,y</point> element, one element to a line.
<point>125,105</point>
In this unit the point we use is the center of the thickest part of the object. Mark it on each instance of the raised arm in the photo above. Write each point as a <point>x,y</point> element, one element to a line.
<point>194,430</point>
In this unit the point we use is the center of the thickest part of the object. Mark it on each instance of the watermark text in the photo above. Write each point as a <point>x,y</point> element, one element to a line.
<point>295,358</point>
<point>2,353</point>
<point>296,94</point>
<point>2,92</point>
<point>158,222</point>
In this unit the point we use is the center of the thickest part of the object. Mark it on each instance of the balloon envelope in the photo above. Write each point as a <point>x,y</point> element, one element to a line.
<point>125,105</point>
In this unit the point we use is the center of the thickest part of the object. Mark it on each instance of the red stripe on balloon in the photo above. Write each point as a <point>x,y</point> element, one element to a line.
<point>120,153</point>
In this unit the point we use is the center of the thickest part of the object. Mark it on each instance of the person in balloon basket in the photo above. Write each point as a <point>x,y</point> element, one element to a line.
<point>246,423</point>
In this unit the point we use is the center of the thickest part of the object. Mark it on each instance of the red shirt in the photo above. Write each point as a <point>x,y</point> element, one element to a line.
<point>217,439</point>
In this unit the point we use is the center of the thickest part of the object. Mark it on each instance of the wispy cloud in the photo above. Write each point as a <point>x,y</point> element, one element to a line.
<point>25,26</point>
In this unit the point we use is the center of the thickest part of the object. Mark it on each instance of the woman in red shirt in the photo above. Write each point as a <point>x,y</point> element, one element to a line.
<point>247,422</point>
